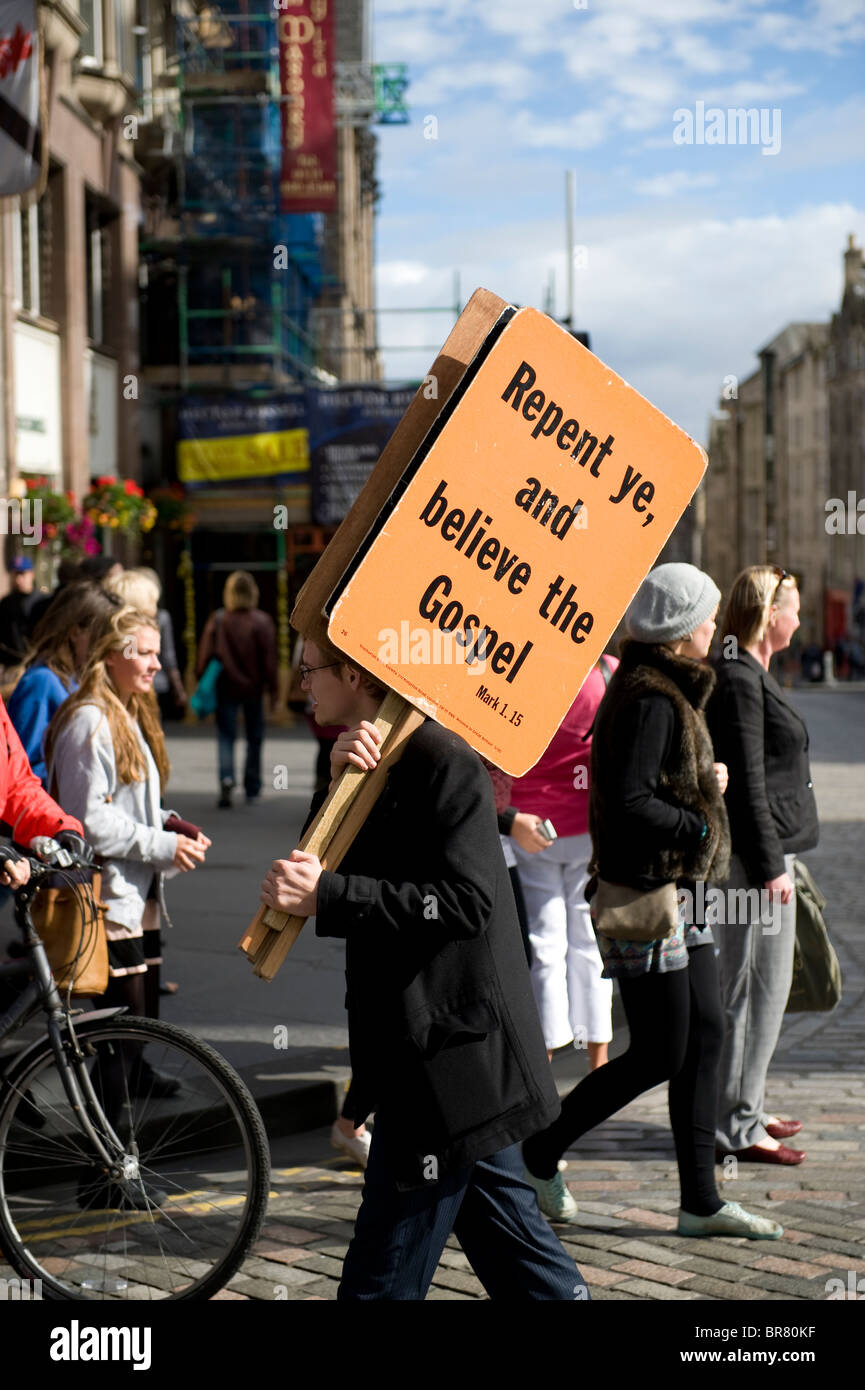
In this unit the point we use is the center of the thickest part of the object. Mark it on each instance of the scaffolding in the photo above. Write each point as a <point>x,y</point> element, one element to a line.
<point>247,276</point>
<point>229,277</point>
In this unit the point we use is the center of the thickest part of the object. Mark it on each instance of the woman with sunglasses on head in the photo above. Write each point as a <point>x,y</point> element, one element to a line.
<point>773,814</point>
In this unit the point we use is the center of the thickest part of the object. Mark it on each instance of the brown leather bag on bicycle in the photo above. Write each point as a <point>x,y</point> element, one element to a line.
<point>70,919</point>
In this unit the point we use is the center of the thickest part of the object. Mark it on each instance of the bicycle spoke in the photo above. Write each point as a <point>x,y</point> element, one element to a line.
<point>149,1225</point>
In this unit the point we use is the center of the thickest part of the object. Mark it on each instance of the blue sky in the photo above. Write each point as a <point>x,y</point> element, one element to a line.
<point>695,255</point>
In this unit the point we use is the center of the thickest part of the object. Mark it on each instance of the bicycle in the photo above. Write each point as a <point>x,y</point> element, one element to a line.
<point>133,1161</point>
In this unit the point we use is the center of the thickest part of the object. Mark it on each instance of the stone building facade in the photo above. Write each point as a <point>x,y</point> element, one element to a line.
<point>784,442</point>
<point>845,555</point>
<point>69,311</point>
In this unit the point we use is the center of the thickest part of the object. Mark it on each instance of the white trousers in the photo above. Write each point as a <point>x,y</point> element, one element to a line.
<point>573,1001</point>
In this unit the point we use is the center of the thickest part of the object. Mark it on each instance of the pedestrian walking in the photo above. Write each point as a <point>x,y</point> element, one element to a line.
<point>142,588</point>
<point>443,1031</point>
<point>656,817</point>
<point>16,612</point>
<point>58,653</point>
<point>68,573</point>
<point>243,639</point>
<point>168,682</point>
<point>574,1000</point>
<point>108,763</point>
<point>773,816</point>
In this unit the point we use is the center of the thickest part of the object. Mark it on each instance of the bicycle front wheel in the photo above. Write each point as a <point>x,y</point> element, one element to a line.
<point>184,1196</point>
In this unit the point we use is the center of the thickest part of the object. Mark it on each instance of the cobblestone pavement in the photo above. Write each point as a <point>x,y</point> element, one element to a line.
<point>623,1174</point>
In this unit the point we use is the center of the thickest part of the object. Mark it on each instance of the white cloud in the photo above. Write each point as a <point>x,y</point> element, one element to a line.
<point>672,305</point>
<point>666,185</point>
<point>397,275</point>
<point>510,80</point>
<point>766,91</point>
<point>583,131</point>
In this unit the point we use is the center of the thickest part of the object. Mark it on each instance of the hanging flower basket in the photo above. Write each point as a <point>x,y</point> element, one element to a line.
<point>172,508</point>
<point>81,537</point>
<point>57,509</point>
<point>119,505</point>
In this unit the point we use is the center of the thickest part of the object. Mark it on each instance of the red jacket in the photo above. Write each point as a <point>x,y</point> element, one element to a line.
<point>25,806</point>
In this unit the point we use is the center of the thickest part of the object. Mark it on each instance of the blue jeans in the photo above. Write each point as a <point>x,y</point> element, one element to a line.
<point>399,1235</point>
<point>226,728</point>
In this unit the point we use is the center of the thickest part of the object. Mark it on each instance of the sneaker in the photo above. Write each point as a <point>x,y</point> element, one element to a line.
<point>354,1146</point>
<point>731,1220</point>
<point>225,790</point>
<point>554,1199</point>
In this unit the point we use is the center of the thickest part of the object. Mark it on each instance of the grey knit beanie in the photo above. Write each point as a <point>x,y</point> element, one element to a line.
<point>671,601</point>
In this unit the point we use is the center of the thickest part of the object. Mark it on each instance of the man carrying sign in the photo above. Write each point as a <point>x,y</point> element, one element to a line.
<point>444,1035</point>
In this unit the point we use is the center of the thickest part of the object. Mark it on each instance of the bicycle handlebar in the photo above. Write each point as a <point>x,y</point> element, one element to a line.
<point>49,857</point>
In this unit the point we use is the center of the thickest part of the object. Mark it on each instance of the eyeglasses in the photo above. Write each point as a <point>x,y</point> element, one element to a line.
<point>782,575</point>
<point>306,671</point>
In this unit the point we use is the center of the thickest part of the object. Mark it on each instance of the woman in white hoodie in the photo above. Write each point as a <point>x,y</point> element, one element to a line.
<point>106,756</point>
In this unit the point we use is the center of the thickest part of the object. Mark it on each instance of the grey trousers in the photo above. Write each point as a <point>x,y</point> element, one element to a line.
<point>755,959</point>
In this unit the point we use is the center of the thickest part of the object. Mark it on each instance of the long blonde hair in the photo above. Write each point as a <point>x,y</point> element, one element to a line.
<point>97,688</point>
<point>754,591</point>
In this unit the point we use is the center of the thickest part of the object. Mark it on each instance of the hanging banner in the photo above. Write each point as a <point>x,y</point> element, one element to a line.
<point>349,427</point>
<point>306,52</point>
<point>224,439</point>
<point>20,132</point>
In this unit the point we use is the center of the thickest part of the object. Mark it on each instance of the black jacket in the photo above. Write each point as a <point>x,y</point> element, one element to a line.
<point>443,1028</point>
<point>764,742</point>
<point>653,784</point>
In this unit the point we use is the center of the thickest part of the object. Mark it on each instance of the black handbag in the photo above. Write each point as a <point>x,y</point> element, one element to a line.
<point>816,983</point>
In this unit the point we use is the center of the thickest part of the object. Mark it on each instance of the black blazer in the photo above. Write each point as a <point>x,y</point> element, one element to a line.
<point>443,1027</point>
<point>764,742</point>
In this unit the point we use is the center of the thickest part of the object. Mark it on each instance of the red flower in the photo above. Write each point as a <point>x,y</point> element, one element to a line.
<point>106,481</point>
<point>131,488</point>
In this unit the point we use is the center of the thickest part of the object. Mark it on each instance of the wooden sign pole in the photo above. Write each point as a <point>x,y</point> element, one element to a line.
<point>271,934</point>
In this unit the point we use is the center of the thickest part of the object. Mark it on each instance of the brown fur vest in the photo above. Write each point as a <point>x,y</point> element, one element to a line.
<point>687,776</point>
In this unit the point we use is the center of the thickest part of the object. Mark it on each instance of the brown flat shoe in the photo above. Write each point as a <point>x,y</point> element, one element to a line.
<point>780,1155</point>
<point>784,1129</point>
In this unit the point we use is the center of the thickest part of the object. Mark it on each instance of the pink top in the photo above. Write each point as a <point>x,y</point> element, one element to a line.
<point>548,789</point>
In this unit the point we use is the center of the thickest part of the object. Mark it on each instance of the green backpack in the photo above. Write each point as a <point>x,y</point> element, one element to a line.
<point>816,973</point>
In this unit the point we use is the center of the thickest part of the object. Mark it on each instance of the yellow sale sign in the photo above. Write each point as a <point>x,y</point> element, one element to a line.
<point>531,514</point>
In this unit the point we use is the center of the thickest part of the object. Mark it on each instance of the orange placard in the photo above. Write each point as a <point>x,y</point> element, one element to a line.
<point>492,587</point>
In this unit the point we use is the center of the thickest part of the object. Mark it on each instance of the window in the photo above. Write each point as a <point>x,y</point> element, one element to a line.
<point>25,251</point>
<point>33,253</point>
<point>124,19</point>
<point>101,225</point>
<point>91,42</point>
